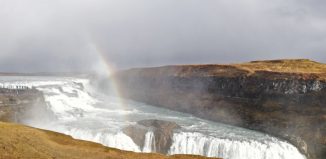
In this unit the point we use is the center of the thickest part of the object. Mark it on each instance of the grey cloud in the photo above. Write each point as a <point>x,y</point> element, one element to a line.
<point>44,35</point>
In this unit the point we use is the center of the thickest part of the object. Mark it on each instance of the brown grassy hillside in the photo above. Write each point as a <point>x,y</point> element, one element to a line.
<point>289,65</point>
<point>281,69</point>
<point>17,141</point>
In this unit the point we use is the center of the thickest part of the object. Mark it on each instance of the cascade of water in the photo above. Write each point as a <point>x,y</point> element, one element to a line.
<point>196,143</point>
<point>149,143</point>
<point>118,140</point>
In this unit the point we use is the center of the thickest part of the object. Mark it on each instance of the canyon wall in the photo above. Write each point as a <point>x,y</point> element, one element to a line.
<point>285,98</point>
<point>16,104</point>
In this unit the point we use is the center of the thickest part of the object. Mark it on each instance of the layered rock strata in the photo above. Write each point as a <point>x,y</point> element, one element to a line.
<point>15,104</point>
<point>285,98</point>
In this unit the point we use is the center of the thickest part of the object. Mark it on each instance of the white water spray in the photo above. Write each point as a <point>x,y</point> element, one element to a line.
<point>149,143</point>
<point>199,144</point>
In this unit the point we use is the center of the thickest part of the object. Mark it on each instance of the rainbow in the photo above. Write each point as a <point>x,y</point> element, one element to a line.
<point>109,69</point>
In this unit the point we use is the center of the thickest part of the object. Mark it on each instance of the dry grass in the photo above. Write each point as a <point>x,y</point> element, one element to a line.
<point>18,141</point>
<point>289,68</point>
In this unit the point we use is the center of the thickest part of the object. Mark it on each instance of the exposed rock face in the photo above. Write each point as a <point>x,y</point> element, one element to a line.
<point>16,103</point>
<point>163,133</point>
<point>285,98</point>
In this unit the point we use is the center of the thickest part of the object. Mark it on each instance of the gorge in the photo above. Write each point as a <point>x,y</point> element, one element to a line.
<point>74,106</point>
<point>285,98</point>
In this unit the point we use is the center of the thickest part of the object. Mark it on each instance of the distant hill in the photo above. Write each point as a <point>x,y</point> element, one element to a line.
<point>60,74</point>
<point>281,69</point>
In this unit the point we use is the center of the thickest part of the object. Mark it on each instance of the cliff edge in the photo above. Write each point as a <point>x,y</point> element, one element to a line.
<point>285,98</point>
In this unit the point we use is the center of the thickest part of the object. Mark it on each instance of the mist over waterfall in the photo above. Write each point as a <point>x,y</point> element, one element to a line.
<point>75,108</point>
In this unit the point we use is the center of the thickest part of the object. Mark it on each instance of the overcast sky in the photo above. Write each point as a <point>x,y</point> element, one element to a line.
<point>71,35</point>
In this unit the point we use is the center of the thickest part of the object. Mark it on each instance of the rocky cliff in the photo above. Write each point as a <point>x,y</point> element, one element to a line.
<point>162,133</point>
<point>15,104</point>
<point>285,98</point>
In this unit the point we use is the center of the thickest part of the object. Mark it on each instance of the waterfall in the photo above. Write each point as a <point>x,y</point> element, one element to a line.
<point>149,143</point>
<point>199,144</point>
<point>83,115</point>
<point>117,140</point>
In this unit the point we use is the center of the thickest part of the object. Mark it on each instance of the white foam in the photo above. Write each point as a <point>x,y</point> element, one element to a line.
<point>199,144</point>
<point>149,143</point>
<point>118,140</point>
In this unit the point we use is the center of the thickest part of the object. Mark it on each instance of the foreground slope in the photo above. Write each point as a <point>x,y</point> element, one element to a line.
<point>18,141</point>
<point>285,98</point>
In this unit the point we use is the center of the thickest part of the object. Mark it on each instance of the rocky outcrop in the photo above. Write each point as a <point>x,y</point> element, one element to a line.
<point>162,131</point>
<point>22,142</point>
<point>15,104</point>
<point>285,98</point>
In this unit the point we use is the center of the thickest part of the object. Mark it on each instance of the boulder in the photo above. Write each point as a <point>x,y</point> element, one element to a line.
<point>162,130</point>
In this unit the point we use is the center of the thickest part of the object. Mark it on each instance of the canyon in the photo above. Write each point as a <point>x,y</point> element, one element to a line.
<point>284,98</point>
